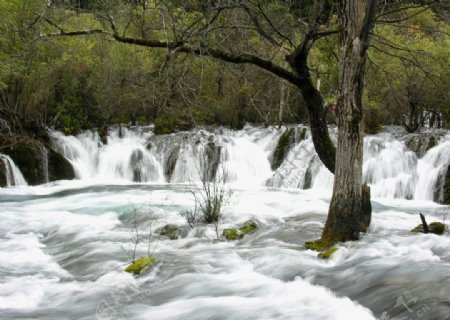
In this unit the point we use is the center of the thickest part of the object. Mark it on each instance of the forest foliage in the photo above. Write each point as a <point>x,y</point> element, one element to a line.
<point>76,83</point>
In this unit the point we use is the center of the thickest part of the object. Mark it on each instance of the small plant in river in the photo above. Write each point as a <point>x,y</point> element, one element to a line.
<point>211,194</point>
<point>137,265</point>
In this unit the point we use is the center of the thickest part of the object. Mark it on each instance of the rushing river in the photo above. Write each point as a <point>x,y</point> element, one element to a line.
<point>64,245</point>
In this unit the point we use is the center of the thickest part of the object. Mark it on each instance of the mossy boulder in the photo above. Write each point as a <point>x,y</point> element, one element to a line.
<point>137,266</point>
<point>324,248</point>
<point>170,231</point>
<point>317,245</point>
<point>434,227</point>
<point>242,230</point>
<point>212,151</point>
<point>285,143</point>
<point>28,157</point>
<point>302,134</point>
<point>248,227</point>
<point>328,253</point>
<point>34,160</point>
<point>446,189</point>
<point>103,133</point>
<point>59,168</point>
<point>232,234</point>
<point>3,177</point>
<point>431,143</point>
<point>171,162</point>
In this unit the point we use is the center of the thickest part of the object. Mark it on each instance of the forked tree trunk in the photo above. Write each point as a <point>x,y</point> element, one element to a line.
<point>350,210</point>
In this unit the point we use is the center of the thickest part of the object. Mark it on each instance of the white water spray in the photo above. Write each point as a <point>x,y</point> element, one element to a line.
<point>390,168</point>
<point>13,175</point>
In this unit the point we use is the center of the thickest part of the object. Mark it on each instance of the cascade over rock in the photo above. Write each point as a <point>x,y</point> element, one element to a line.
<point>38,163</point>
<point>390,168</point>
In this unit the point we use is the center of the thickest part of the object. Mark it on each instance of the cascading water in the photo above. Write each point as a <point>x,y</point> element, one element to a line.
<point>13,175</point>
<point>141,156</point>
<point>390,168</point>
<point>74,236</point>
<point>431,170</point>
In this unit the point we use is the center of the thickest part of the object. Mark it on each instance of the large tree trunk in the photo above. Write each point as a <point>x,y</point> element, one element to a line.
<point>349,211</point>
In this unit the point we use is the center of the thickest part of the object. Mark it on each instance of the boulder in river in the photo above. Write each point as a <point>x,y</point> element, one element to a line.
<point>446,189</point>
<point>38,163</point>
<point>242,230</point>
<point>434,227</point>
<point>140,264</point>
<point>170,231</point>
<point>285,143</point>
<point>325,249</point>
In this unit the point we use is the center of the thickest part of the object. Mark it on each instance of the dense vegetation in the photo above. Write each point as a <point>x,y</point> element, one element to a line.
<point>74,83</point>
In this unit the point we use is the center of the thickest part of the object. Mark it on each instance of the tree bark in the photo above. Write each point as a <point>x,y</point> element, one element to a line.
<point>349,212</point>
<point>282,103</point>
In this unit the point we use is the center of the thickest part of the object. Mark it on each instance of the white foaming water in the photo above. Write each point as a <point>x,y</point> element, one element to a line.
<point>124,157</point>
<point>64,245</point>
<point>73,241</point>
<point>432,167</point>
<point>13,175</point>
<point>390,168</point>
<point>245,162</point>
<point>141,157</point>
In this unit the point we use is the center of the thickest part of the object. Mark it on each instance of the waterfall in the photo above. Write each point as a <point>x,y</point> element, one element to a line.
<point>124,156</point>
<point>431,170</point>
<point>13,175</point>
<point>390,167</point>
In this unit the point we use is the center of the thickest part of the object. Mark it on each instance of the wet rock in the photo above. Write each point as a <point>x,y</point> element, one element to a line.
<point>139,265</point>
<point>302,135</point>
<point>317,245</point>
<point>420,143</point>
<point>59,168</point>
<point>248,227</point>
<point>136,161</point>
<point>212,151</point>
<point>232,234</point>
<point>431,143</point>
<point>285,143</point>
<point>171,162</point>
<point>171,231</point>
<point>328,253</point>
<point>434,227</point>
<point>446,189</point>
<point>103,134</point>
<point>325,249</point>
<point>3,178</point>
<point>27,155</point>
<point>37,162</point>
<point>308,178</point>
<point>242,230</point>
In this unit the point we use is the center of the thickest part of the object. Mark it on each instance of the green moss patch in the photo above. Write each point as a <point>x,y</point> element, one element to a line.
<point>324,248</point>
<point>431,143</point>
<point>240,231</point>
<point>446,199</point>
<point>232,234</point>
<point>137,266</point>
<point>248,227</point>
<point>328,253</point>
<point>434,227</point>
<point>285,142</point>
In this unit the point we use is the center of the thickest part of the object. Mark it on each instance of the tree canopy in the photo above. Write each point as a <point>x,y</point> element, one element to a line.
<point>74,83</point>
